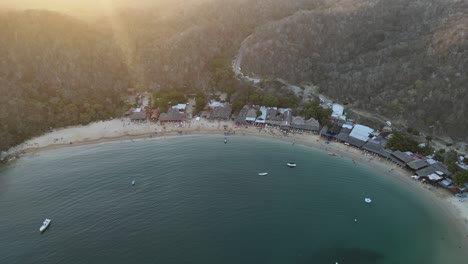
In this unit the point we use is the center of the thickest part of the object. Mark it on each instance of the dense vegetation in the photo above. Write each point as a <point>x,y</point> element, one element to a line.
<point>402,142</point>
<point>406,60</point>
<point>461,178</point>
<point>313,109</point>
<point>404,57</point>
<point>55,71</point>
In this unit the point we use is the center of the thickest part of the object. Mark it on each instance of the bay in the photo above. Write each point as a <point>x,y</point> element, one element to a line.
<point>198,200</point>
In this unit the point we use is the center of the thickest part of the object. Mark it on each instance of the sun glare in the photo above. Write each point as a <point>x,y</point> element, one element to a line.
<point>123,39</point>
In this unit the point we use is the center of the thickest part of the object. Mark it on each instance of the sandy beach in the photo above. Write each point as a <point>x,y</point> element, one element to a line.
<point>123,129</point>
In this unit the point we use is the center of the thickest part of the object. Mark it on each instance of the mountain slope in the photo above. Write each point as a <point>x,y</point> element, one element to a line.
<point>57,71</point>
<point>52,75</point>
<point>404,59</point>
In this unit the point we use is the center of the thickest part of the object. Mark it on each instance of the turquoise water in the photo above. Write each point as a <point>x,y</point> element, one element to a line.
<point>198,200</point>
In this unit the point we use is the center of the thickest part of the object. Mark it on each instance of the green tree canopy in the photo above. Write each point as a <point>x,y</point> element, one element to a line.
<point>399,142</point>
<point>313,109</point>
<point>461,178</point>
<point>238,103</point>
<point>270,100</point>
<point>200,102</point>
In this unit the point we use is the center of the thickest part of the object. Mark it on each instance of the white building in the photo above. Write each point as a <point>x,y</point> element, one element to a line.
<point>361,132</point>
<point>180,107</point>
<point>338,111</point>
<point>261,119</point>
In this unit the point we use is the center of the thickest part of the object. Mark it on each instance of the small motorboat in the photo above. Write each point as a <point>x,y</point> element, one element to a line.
<point>291,164</point>
<point>133,182</point>
<point>45,224</point>
<point>263,173</point>
<point>368,200</point>
<point>331,154</point>
<point>225,140</point>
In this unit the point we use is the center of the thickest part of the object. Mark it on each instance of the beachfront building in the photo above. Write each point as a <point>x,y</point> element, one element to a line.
<point>278,117</point>
<point>138,114</point>
<point>213,104</point>
<point>461,163</point>
<point>358,136</point>
<point>418,164</point>
<point>401,158</point>
<point>377,147</point>
<point>248,114</point>
<point>331,131</point>
<point>338,112</point>
<point>287,118</point>
<point>241,117</point>
<point>251,115</point>
<point>269,116</point>
<point>260,120</point>
<point>180,107</point>
<point>273,117</point>
<point>362,133</point>
<point>155,114</point>
<point>437,168</point>
<point>311,124</point>
<point>348,125</point>
<point>172,115</point>
<point>344,134</point>
<point>220,112</point>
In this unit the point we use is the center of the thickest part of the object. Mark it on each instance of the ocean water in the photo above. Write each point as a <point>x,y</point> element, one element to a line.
<point>198,200</point>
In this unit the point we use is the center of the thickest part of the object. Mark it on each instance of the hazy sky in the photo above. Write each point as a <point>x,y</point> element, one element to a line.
<point>80,4</point>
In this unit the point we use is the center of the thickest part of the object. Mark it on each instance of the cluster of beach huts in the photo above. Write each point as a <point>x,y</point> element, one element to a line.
<point>424,168</point>
<point>356,135</point>
<point>249,114</point>
<point>273,116</point>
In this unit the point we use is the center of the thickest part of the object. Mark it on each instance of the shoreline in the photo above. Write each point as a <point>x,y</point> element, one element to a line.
<point>453,211</point>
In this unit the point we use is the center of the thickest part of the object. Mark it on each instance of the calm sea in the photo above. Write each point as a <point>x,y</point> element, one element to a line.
<point>198,200</point>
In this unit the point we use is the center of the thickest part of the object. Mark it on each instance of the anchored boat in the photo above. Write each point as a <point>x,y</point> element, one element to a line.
<point>263,173</point>
<point>368,200</point>
<point>291,164</point>
<point>45,224</point>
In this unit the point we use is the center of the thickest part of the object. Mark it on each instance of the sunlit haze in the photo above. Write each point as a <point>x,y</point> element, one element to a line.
<point>84,5</point>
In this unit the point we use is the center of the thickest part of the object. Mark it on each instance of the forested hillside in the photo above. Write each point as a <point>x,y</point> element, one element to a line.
<point>55,71</point>
<point>178,49</point>
<point>407,60</point>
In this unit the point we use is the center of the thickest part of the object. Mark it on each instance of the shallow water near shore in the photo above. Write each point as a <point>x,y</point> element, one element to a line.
<point>198,200</point>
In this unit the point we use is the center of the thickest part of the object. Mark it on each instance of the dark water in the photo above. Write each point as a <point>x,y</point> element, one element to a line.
<point>198,200</point>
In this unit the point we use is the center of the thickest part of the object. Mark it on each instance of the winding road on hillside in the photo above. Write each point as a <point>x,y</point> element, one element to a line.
<point>236,63</point>
<point>236,67</point>
<point>309,91</point>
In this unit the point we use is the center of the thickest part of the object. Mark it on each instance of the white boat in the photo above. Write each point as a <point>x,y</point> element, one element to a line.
<point>133,182</point>
<point>291,164</point>
<point>263,173</point>
<point>368,200</point>
<point>44,225</point>
<point>225,140</point>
